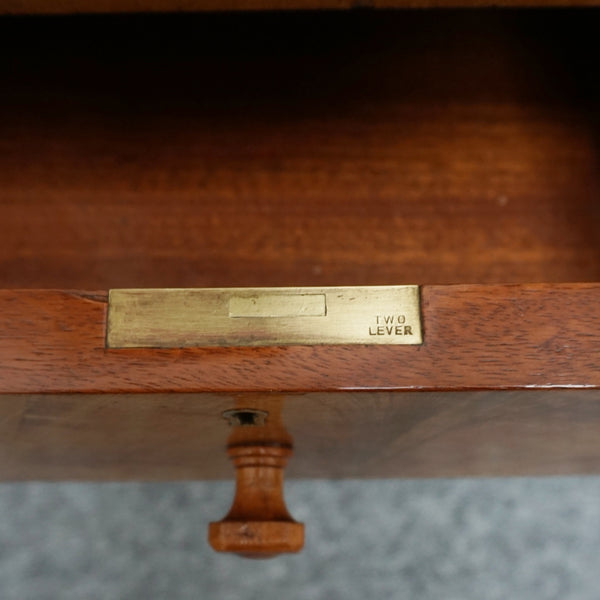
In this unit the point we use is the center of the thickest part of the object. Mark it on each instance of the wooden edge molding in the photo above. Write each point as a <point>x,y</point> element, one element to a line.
<point>474,337</point>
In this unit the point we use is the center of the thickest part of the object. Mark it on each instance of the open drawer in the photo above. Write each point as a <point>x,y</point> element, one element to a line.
<point>454,150</point>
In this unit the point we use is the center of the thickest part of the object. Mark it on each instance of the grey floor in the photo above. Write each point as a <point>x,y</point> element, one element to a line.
<point>428,539</point>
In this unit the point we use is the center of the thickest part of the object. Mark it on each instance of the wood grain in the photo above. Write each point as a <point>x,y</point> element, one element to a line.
<point>475,337</point>
<point>302,149</point>
<point>258,524</point>
<point>299,149</point>
<point>351,434</point>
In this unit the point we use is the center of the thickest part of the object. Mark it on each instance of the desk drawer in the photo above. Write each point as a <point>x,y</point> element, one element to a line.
<point>453,150</point>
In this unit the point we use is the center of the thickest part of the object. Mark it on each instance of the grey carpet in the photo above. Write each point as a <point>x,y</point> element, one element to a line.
<point>429,539</point>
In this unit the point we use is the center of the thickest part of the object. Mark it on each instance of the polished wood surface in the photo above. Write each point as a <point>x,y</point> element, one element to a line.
<point>299,149</point>
<point>258,524</point>
<point>303,149</point>
<point>479,336</point>
<point>108,437</point>
<point>118,6</point>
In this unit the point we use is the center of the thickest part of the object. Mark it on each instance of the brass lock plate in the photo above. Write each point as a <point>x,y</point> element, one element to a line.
<point>181,318</point>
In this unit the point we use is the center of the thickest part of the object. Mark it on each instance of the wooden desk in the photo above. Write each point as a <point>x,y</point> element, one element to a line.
<point>335,148</point>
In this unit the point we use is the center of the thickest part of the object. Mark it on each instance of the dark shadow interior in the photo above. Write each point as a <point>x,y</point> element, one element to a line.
<point>299,149</point>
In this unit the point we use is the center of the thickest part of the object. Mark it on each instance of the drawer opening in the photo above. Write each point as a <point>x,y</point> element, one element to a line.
<point>299,149</point>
